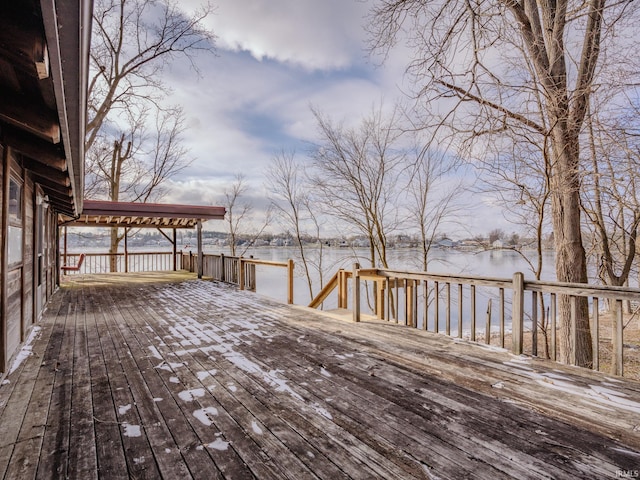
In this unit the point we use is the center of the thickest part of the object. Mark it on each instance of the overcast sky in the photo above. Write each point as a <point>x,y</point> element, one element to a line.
<point>252,101</point>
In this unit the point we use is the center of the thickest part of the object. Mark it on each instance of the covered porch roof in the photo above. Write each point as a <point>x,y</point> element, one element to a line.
<point>99,213</point>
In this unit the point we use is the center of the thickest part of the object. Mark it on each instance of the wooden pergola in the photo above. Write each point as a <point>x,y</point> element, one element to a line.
<point>127,215</point>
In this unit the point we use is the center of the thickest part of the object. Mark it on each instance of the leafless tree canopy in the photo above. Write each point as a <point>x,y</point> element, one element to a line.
<point>132,42</point>
<point>528,68</point>
<point>356,173</point>
<point>298,212</point>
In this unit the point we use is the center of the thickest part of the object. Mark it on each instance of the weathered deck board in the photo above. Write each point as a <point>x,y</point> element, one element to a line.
<point>197,380</point>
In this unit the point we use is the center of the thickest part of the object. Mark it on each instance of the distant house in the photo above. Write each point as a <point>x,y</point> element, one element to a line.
<point>445,243</point>
<point>469,244</point>
<point>44,58</point>
<point>497,244</point>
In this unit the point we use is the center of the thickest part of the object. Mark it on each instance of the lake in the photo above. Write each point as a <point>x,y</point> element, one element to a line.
<point>490,263</point>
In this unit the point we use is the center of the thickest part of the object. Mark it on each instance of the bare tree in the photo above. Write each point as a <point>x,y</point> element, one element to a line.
<point>241,222</point>
<point>431,207</point>
<point>132,42</point>
<point>135,165</point>
<point>473,69</point>
<point>612,204</point>
<point>293,202</point>
<point>357,172</point>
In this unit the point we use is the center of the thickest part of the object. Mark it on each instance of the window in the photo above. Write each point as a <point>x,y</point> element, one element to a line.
<point>15,222</point>
<point>15,201</point>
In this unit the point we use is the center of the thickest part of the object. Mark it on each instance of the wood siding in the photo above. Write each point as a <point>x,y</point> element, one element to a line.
<point>19,279</point>
<point>28,256</point>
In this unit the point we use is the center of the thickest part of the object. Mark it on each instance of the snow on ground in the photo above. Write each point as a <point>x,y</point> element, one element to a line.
<point>27,349</point>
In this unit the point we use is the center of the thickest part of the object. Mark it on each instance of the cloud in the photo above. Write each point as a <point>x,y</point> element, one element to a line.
<point>315,35</point>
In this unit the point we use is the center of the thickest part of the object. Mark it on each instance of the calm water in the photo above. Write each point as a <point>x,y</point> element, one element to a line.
<point>493,263</point>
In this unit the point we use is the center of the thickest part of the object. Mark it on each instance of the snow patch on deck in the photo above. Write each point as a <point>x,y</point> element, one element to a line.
<point>205,415</point>
<point>155,352</point>
<point>218,444</point>
<point>226,334</point>
<point>190,395</point>
<point>131,430</point>
<point>255,427</point>
<point>605,396</point>
<point>27,349</point>
<point>204,374</point>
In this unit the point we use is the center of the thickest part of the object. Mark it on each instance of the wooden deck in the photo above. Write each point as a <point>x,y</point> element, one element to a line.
<point>194,379</point>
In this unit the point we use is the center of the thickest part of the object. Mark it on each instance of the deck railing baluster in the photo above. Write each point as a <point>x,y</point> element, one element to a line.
<point>534,324</point>
<point>448,309</point>
<point>460,317</point>
<point>473,312</point>
<point>595,336</point>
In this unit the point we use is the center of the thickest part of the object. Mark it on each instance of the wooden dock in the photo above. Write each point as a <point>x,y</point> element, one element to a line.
<point>182,379</point>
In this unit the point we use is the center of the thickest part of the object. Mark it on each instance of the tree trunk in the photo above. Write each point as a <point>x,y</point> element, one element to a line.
<point>113,250</point>
<point>571,262</point>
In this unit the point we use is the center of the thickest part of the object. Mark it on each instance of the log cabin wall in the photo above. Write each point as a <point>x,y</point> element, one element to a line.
<point>13,222</point>
<point>42,125</point>
<point>28,272</point>
<point>27,255</point>
<point>3,257</point>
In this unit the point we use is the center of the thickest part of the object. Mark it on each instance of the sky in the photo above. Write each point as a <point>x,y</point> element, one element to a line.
<point>275,59</point>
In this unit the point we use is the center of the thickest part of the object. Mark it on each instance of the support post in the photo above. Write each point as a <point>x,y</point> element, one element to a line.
<point>175,250</point>
<point>199,229</point>
<point>126,250</point>
<point>241,273</point>
<point>356,292</point>
<point>64,259</point>
<point>290,281</point>
<point>517,318</point>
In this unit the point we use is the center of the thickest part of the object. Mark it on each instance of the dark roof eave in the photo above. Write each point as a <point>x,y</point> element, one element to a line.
<point>124,209</point>
<point>69,59</point>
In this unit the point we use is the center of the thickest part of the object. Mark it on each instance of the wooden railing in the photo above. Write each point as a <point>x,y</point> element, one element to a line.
<point>526,311</point>
<point>131,262</point>
<point>239,271</point>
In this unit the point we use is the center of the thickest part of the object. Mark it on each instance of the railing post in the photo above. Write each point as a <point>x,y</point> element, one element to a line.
<point>241,273</point>
<point>343,289</point>
<point>222,274</point>
<point>200,266</point>
<point>617,361</point>
<point>290,281</point>
<point>517,317</point>
<point>380,299</point>
<point>356,292</point>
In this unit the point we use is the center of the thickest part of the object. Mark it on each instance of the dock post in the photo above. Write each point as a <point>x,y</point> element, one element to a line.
<point>517,317</point>
<point>356,292</point>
